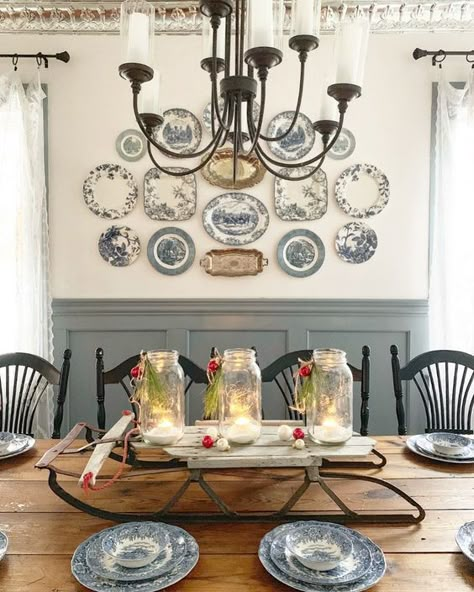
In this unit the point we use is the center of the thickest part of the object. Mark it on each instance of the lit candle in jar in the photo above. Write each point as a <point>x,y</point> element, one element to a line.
<point>163,433</point>
<point>330,432</point>
<point>243,431</point>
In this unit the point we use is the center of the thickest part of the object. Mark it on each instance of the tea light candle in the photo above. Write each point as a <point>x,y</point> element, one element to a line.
<point>243,431</point>
<point>330,432</point>
<point>164,433</point>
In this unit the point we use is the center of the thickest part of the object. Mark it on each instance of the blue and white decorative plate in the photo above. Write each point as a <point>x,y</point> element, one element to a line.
<point>3,544</point>
<point>352,175</point>
<point>465,540</point>
<point>104,566</point>
<point>413,444</point>
<point>301,200</point>
<point>206,115</point>
<point>110,172</point>
<point>349,570</point>
<point>171,251</point>
<point>301,253</point>
<point>298,142</point>
<point>356,242</point>
<point>131,145</point>
<point>344,146</point>
<point>119,246</point>
<point>374,573</point>
<point>235,219</point>
<point>20,444</point>
<point>85,576</point>
<point>180,131</point>
<point>169,198</point>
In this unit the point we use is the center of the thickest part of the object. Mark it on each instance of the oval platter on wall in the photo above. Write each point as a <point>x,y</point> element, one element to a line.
<point>235,219</point>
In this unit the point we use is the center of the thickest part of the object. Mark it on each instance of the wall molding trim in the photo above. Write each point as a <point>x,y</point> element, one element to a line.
<point>183,17</point>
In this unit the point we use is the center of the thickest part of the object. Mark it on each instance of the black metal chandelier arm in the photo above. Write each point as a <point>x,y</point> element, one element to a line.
<point>298,106</point>
<point>161,148</point>
<point>313,160</point>
<point>215,111</point>
<point>255,134</point>
<point>272,171</point>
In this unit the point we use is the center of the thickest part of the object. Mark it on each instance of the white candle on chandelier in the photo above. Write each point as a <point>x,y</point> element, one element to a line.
<point>138,42</point>
<point>328,106</point>
<point>261,23</point>
<point>351,43</point>
<point>303,16</point>
<point>149,97</point>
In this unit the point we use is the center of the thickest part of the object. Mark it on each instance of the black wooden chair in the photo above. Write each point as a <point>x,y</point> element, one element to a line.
<point>24,379</point>
<point>445,382</point>
<point>282,373</point>
<point>121,375</point>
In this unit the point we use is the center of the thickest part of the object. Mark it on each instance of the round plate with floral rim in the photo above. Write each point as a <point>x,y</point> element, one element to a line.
<point>180,131</point>
<point>235,219</point>
<point>298,142</point>
<point>352,175</point>
<point>301,200</point>
<point>171,251</point>
<point>301,253</point>
<point>344,146</point>
<point>119,246</point>
<point>206,115</point>
<point>356,242</point>
<point>110,172</point>
<point>131,145</point>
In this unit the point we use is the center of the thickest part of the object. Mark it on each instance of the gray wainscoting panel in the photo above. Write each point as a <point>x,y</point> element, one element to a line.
<point>124,327</point>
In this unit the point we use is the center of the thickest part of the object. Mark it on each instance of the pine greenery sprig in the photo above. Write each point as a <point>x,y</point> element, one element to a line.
<point>149,387</point>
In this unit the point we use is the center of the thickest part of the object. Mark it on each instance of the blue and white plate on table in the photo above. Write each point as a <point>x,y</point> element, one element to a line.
<point>298,142</point>
<point>180,131</point>
<point>370,564</point>
<point>301,253</point>
<point>421,446</point>
<point>171,251</point>
<point>301,200</point>
<point>3,544</point>
<point>131,145</point>
<point>206,116</point>
<point>169,198</point>
<point>119,246</point>
<point>102,564</point>
<point>14,444</point>
<point>344,145</point>
<point>235,219</point>
<point>465,540</point>
<point>110,191</point>
<point>86,576</point>
<point>356,242</point>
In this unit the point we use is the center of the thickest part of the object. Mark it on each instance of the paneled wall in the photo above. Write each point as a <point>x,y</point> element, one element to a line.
<point>124,327</point>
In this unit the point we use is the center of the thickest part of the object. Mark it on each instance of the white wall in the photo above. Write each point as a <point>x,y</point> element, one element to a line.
<point>89,105</point>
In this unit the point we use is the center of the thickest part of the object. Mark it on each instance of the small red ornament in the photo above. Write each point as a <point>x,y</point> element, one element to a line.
<point>298,434</point>
<point>305,371</point>
<point>213,366</point>
<point>207,442</point>
<point>135,372</point>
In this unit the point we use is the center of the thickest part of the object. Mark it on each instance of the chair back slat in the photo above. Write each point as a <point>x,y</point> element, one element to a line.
<point>40,391</point>
<point>27,395</point>
<point>445,382</point>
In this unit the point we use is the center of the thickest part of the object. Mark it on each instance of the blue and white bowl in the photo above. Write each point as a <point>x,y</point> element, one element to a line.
<point>3,544</point>
<point>448,444</point>
<point>135,545</point>
<point>6,438</point>
<point>319,547</point>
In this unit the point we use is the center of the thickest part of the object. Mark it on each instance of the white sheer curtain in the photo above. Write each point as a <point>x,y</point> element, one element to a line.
<point>452,253</point>
<point>25,305</point>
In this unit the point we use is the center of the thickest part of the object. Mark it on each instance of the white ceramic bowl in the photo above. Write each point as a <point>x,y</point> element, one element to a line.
<point>136,544</point>
<point>319,546</point>
<point>6,438</point>
<point>447,443</point>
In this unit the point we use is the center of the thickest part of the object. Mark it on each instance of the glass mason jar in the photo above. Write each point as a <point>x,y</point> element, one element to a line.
<point>240,397</point>
<point>163,424</point>
<point>330,417</point>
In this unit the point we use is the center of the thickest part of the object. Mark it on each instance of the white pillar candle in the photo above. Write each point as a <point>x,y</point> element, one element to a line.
<point>349,46</point>
<point>261,23</point>
<point>328,106</point>
<point>163,434</point>
<point>303,23</point>
<point>138,48</point>
<point>149,97</point>
<point>243,431</point>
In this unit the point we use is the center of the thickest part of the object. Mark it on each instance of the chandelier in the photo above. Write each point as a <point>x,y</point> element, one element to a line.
<point>243,42</point>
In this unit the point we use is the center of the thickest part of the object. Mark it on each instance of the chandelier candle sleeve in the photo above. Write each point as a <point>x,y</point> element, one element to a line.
<point>240,412</point>
<point>265,23</point>
<point>149,97</point>
<point>162,418</point>
<point>207,39</point>
<point>330,415</point>
<point>137,29</point>
<point>351,49</point>
<point>306,17</point>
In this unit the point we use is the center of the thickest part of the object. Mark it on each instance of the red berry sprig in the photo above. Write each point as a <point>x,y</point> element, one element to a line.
<point>213,366</point>
<point>207,442</point>
<point>136,372</point>
<point>298,434</point>
<point>304,371</point>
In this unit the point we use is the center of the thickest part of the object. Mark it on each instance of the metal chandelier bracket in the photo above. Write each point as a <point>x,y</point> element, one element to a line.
<point>239,79</point>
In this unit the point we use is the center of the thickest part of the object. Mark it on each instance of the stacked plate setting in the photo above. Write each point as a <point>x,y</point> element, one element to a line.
<point>14,444</point>
<point>465,540</point>
<point>363,567</point>
<point>442,447</point>
<point>96,569</point>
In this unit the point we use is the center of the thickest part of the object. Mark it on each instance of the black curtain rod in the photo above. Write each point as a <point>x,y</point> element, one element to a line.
<point>440,55</point>
<point>40,57</point>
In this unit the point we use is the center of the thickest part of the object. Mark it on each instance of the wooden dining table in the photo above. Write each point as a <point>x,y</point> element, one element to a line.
<point>44,531</point>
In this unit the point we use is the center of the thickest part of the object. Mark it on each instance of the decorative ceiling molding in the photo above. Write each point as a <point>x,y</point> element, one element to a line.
<point>183,17</point>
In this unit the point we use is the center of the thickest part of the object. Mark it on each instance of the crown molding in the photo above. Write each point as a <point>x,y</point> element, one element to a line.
<point>183,17</point>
